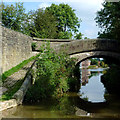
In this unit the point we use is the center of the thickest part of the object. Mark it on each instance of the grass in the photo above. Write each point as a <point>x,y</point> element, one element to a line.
<point>17,68</point>
<point>11,91</point>
<point>8,95</point>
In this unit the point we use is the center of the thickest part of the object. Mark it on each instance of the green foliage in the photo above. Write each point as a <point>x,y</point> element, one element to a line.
<point>92,66</point>
<point>86,38</point>
<point>64,35</point>
<point>67,21</point>
<point>56,21</point>
<point>108,19</point>
<point>34,46</point>
<point>13,16</point>
<point>94,61</point>
<point>43,24</point>
<point>66,105</point>
<point>111,80</point>
<point>16,68</point>
<point>8,95</point>
<point>102,64</point>
<point>1,81</point>
<point>79,35</point>
<point>53,75</point>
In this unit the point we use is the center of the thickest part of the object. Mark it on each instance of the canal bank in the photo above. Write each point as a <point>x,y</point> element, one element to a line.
<point>72,105</point>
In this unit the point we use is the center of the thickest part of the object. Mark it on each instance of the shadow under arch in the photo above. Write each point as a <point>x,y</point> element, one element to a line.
<point>91,107</point>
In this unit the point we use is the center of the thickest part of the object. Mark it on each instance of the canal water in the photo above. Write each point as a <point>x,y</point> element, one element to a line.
<point>92,101</point>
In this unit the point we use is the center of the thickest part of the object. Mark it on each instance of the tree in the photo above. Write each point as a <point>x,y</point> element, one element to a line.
<point>67,21</point>
<point>94,61</point>
<point>86,38</point>
<point>78,35</point>
<point>108,20</point>
<point>13,16</point>
<point>43,24</point>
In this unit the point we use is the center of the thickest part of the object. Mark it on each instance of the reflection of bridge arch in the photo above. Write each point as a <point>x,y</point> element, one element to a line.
<point>87,105</point>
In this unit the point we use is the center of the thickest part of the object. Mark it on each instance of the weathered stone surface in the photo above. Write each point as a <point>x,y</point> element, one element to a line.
<point>17,76</point>
<point>19,95</point>
<point>53,42</point>
<point>7,104</point>
<point>73,47</point>
<point>16,47</point>
<point>2,90</point>
<point>80,46</point>
<point>85,55</point>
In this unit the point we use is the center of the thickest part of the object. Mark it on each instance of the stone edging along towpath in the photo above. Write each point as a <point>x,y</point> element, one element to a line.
<point>19,95</point>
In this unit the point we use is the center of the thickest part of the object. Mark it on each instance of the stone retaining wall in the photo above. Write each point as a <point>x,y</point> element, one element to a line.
<point>16,47</point>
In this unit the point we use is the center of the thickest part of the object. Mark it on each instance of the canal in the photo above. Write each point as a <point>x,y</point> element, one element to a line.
<point>92,101</point>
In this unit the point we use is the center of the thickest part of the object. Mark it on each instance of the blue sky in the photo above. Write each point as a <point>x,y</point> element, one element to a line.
<point>84,9</point>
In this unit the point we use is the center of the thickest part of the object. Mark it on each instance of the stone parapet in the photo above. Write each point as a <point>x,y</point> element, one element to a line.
<point>53,42</point>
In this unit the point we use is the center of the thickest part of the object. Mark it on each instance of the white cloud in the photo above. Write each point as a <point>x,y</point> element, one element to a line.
<point>86,10</point>
<point>44,5</point>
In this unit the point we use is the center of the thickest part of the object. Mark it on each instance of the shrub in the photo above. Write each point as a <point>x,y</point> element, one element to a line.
<point>111,80</point>
<point>53,75</point>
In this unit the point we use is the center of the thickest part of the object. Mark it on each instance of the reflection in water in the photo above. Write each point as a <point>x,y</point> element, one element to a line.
<point>91,87</point>
<point>85,76</point>
<point>71,105</point>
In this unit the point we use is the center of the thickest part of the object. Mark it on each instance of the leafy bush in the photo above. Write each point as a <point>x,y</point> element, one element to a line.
<point>53,75</point>
<point>111,79</point>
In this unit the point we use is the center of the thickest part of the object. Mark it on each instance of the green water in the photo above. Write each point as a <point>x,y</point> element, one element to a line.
<point>90,102</point>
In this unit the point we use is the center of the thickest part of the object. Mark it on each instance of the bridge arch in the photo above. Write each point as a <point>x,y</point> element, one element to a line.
<point>100,54</point>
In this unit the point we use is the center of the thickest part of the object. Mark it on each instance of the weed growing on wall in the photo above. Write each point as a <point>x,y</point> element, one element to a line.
<point>54,74</point>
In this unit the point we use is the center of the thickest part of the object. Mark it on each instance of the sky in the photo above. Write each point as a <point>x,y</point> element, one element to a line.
<point>84,9</point>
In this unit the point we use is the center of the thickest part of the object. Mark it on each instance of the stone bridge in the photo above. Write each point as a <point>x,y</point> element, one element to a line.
<point>16,47</point>
<point>83,49</point>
